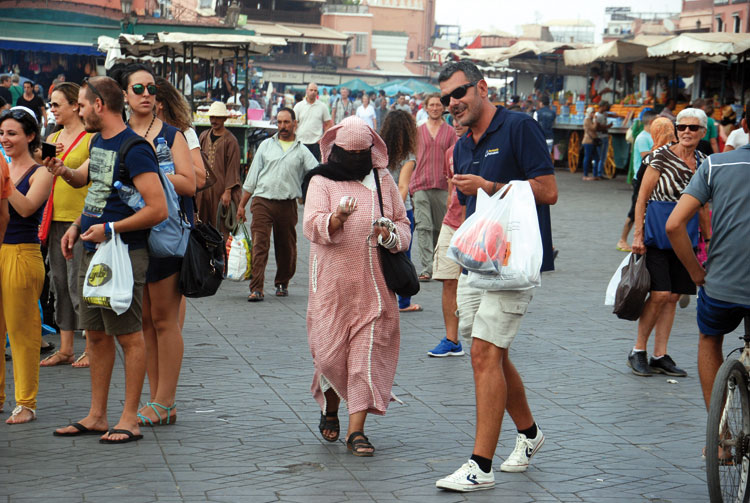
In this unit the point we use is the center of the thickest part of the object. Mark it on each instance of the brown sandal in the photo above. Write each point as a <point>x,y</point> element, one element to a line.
<point>79,363</point>
<point>60,358</point>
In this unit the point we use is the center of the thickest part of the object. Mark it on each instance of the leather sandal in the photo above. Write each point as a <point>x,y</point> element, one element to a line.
<point>18,410</point>
<point>329,422</point>
<point>255,296</point>
<point>359,444</point>
<point>57,358</point>
<point>79,363</point>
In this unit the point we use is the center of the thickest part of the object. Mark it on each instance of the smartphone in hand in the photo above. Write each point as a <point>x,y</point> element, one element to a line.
<point>48,150</point>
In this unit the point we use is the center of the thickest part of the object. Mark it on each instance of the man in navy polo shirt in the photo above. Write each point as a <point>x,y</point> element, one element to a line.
<point>501,146</point>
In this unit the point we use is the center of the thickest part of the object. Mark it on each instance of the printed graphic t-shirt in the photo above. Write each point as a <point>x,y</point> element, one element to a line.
<point>103,203</point>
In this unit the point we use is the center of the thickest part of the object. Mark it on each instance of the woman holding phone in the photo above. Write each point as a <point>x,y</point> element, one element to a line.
<point>64,206</point>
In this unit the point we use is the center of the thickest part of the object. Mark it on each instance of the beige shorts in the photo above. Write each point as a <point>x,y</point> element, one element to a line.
<point>442,267</point>
<point>494,317</point>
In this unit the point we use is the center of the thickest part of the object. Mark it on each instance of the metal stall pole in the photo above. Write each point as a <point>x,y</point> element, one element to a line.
<point>674,80</point>
<point>742,79</point>
<point>192,78</point>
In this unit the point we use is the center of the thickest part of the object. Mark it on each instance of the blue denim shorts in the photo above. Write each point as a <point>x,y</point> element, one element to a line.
<point>716,317</point>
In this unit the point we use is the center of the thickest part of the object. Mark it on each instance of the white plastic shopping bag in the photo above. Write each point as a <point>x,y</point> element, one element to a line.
<point>109,278</point>
<point>479,244</point>
<point>521,266</point>
<point>609,297</point>
<point>239,253</point>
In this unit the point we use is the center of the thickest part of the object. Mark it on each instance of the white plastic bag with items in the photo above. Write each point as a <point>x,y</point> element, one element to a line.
<point>109,278</point>
<point>609,297</point>
<point>239,255</point>
<point>521,266</point>
<point>480,243</point>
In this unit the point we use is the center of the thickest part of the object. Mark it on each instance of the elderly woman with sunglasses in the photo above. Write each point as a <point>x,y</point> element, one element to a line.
<point>22,271</point>
<point>161,298</point>
<point>669,170</point>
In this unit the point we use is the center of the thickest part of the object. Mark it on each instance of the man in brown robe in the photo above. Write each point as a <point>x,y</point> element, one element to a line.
<point>221,152</point>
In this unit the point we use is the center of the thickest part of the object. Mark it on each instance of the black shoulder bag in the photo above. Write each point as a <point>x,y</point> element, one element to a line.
<point>203,265</point>
<point>398,270</point>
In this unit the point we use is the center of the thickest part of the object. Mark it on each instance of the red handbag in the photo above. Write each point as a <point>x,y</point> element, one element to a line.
<point>47,215</point>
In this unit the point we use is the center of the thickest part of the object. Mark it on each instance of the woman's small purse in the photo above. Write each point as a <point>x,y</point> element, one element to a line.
<point>398,270</point>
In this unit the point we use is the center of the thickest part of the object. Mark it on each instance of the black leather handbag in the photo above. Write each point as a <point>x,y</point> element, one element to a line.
<point>203,265</point>
<point>398,270</point>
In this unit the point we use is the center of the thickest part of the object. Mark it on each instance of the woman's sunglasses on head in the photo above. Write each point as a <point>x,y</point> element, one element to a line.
<point>457,93</point>
<point>691,127</point>
<point>139,88</point>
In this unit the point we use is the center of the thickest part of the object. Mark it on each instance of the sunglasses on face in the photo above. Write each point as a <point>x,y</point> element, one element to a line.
<point>139,88</point>
<point>456,94</point>
<point>691,127</point>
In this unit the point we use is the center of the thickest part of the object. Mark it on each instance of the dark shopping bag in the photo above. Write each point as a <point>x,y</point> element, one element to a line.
<point>634,286</point>
<point>203,265</point>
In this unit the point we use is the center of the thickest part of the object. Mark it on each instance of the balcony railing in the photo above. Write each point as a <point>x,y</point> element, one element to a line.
<point>345,9</point>
<point>282,16</point>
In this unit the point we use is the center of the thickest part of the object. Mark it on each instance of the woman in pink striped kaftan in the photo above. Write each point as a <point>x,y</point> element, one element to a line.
<point>352,316</point>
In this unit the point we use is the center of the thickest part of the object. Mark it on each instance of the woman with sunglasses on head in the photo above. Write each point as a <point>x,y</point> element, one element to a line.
<point>22,271</point>
<point>161,297</point>
<point>668,171</point>
<point>66,204</point>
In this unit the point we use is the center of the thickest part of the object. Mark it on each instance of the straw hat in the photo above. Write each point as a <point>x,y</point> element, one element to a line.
<point>218,109</point>
<point>353,133</point>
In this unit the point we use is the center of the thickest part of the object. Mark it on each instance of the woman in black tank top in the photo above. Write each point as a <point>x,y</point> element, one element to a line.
<point>22,271</point>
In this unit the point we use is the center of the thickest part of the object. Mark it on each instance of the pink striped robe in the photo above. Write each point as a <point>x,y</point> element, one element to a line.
<point>352,316</point>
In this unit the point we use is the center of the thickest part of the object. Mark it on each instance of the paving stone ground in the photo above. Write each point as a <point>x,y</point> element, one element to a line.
<point>247,427</point>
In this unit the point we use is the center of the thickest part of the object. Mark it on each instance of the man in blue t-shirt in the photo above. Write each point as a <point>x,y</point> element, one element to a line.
<point>724,294</point>
<point>100,103</point>
<point>545,116</point>
<point>501,146</point>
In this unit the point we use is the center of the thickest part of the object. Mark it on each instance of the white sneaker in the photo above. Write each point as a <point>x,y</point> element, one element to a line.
<point>519,459</point>
<point>467,478</point>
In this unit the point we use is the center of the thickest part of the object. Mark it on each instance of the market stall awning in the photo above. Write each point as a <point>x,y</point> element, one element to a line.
<point>54,38</point>
<point>702,44</point>
<point>307,33</point>
<point>616,51</point>
<point>205,46</point>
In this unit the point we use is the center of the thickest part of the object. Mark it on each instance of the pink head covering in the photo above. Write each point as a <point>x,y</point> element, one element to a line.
<point>353,133</point>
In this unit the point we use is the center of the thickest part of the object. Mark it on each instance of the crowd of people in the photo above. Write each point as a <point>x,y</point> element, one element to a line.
<point>368,181</point>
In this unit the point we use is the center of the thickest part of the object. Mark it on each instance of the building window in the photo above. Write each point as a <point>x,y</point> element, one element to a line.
<point>358,44</point>
<point>737,28</point>
<point>719,24</point>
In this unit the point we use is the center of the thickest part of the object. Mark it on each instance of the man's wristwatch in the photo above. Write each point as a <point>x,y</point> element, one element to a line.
<point>107,230</point>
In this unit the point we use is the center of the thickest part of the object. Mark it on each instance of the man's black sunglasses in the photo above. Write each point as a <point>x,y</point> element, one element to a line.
<point>691,127</point>
<point>139,88</point>
<point>457,93</point>
<point>88,83</point>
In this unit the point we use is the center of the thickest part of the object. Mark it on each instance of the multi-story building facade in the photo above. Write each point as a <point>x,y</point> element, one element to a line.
<point>732,16</point>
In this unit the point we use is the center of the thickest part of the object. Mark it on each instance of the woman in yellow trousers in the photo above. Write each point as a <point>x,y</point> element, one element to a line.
<point>22,271</point>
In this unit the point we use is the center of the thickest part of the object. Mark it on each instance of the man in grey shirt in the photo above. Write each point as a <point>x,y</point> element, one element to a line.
<point>724,296</point>
<point>274,182</point>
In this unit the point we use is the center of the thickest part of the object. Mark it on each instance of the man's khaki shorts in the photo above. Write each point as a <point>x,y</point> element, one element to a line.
<point>442,267</point>
<point>105,320</point>
<point>494,317</point>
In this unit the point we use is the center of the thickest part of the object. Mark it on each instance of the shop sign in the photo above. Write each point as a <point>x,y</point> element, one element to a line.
<point>323,78</point>
<point>283,77</point>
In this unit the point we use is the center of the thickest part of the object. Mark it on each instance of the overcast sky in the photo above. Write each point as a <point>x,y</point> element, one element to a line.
<point>507,15</point>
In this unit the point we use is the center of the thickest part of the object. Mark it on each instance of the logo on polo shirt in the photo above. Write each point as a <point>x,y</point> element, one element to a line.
<point>492,151</point>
